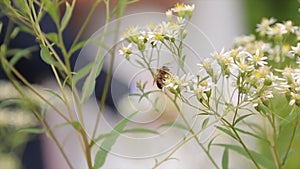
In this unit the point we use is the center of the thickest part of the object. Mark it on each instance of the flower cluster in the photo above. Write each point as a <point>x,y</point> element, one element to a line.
<point>256,65</point>
<point>165,33</point>
<point>290,85</point>
<point>200,87</point>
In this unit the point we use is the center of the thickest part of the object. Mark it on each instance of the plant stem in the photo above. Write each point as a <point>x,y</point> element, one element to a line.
<point>291,141</point>
<point>236,109</point>
<point>109,73</point>
<point>179,146</point>
<point>84,25</point>
<point>274,145</point>
<point>193,133</point>
<point>239,139</point>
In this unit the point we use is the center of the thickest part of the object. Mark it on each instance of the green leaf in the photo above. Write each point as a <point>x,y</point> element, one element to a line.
<point>1,26</point>
<point>225,159</point>
<point>53,37</point>
<point>15,32</point>
<point>46,56</point>
<point>287,120</point>
<point>22,6</point>
<point>9,102</point>
<point>90,82</point>
<point>20,53</point>
<point>52,9</point>
<point>82,72</point>
<point>67,16</point>
<point>32,130</point>
<point>121,7</point>
<point>110,141</point>
<point>78,46</point>
<point>242,117</point>
<point>55,94</point>
<point>132,130</point>
<point>210,142</point>
<point>174,124</point>
<point>204,124</point>
<point>259,158</point>
<point>253,135</point>
<point>226,131</point>
<point>100,137</point>
<point>140,130</point>
<point>75,124</point>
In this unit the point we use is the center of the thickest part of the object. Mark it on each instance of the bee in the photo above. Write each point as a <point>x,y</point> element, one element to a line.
<point>163,76</point>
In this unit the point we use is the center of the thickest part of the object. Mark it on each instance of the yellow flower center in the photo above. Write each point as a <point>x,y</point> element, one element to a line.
<point>158,36</point>
<point>179,6</point>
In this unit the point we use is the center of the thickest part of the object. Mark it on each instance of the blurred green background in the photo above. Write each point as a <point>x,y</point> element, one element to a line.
<point>281,10</point>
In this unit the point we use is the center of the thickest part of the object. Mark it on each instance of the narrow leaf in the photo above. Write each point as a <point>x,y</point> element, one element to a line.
<point>140,130</point>
<point>226,131</point>
<point>242,117</point>
<point>82,72</point>
<point>211,142</point>
<point>67,16</point>
<point>1,26</point>
<point>225,159</point>
<point>109,142</point>
<point>47,58</point>
<point>90,82</point>
<point>259,158</point>
<point>53,37</point>
<point>75,124</point>
<point>78,46</point>
<point>22,53</point>
<point>174,124</point>
<point>52,10</point>
<point>32,130</point>
<point>55,94</point>
<point>15,32</point>
<point>22,6</point>
<point>45,55</point>
<point>121,7</point>
<point>205,122</point>
<point>253,135</point>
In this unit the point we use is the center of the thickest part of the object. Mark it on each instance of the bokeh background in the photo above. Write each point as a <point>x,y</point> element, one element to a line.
<point>220,20</point>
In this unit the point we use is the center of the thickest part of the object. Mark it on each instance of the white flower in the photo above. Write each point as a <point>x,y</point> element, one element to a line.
<point>203,89</point>
<point>296,49</point>
<point>131,31</point>
<point>295,98</point>
<point>206,65</point>
<point>298,61</point>
<point>258,58</point>
<point>189,8</point>
<point>169,14</point>
<point>265,25</point>
<point>126,51</point>
<point>155,38</point>
<point>277,30</point>
<point>183,9</point>
<point>243,40</point>
<point>289,26</point>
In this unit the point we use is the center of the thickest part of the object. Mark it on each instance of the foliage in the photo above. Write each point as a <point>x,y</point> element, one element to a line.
<point>248,92</point>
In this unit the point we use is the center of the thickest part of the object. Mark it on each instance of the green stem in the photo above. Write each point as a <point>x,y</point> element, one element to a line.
<point>236,109</point>
<point>84,25</point>
<point>274,146</point>
<point>180,145</point>
<point>109,73</point>
<point>239,139</point>
<point>194,134</point>
<point>291,141</point>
